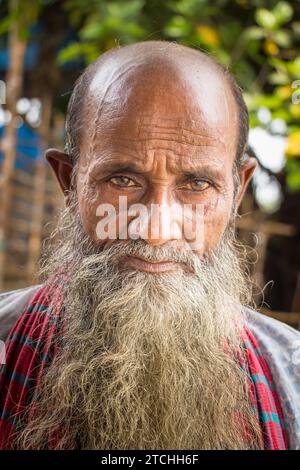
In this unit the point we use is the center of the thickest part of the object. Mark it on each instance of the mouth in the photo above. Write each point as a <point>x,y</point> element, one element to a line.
<point>154,267</point>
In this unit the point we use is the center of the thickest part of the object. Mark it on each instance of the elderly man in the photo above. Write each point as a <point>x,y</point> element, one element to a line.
<point>141,336</point>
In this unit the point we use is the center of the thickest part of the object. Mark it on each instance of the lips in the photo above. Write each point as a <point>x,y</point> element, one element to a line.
<point>154,267</point>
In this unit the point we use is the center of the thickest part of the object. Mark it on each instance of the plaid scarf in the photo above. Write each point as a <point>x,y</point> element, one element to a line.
<point>30,347</point>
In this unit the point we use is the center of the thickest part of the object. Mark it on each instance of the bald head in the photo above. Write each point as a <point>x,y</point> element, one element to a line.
<point>155,77</point>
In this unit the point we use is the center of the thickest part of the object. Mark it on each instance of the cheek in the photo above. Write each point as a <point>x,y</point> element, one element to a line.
<point>216,218</point>
<point>89,200</point>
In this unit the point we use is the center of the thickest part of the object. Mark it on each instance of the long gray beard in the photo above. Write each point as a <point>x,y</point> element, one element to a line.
<point>147,361</point>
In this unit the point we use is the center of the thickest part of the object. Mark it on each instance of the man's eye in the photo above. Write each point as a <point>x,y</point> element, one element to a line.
<point>196,185</point>
<point>122,181</point>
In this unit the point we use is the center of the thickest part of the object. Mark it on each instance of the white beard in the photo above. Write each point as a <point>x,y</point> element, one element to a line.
<point>144,363</point>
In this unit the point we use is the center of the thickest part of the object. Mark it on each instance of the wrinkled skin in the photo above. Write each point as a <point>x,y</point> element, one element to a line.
<point>159,129</point>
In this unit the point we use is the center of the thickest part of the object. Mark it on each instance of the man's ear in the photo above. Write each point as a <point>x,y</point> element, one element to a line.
<point>246,171</point>
<point>62,167</point>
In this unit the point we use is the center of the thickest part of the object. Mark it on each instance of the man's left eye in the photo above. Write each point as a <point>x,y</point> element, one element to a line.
<point>122,181</point>
<point>197,185</point>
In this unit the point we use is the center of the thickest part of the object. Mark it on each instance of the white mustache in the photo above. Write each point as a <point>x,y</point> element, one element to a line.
<point>141,249</point>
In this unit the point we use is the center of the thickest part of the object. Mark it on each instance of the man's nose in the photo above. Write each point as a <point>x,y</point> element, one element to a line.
<point>159,223</point>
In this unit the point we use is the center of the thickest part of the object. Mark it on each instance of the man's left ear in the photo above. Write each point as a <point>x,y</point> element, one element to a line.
<point>246,171</point>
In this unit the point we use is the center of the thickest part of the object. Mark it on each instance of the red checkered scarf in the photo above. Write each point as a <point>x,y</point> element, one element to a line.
<point>30,347</point>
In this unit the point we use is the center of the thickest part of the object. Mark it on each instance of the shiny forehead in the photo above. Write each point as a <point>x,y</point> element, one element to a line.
<point>150,71</point>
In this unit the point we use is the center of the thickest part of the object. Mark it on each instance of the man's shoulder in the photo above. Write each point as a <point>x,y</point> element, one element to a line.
<point>279,342</point>
<point>280,345</point>
<point>270,330</point>
<point>12,304</point>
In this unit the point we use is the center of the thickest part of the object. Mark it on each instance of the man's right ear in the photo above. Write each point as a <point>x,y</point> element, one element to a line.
<point>62,167</point>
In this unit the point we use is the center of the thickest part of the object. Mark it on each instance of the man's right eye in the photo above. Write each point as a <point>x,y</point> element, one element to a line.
<point>122,181</point>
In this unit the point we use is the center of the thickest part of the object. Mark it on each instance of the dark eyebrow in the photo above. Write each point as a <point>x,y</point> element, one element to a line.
<point>116,167</point>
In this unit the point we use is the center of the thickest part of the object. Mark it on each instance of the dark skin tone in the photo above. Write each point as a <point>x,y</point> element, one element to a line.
<point>157,133</point>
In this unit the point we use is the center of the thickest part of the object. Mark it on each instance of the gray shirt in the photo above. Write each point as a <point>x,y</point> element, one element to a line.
<point>279,343</point>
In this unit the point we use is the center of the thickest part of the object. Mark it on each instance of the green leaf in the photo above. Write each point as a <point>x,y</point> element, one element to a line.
<point>178,27</point>
<point>5,25</point>
<point>76,50</point>
<point>281,114</point>
<point>222,56</point>
<point>279,64</point>
<point>293,181</point>
<point>268,101</point>
<point>296,28</point>
<point>125,10</point>
<point>293,68</point>
<point>279,78</point>
<point>91,30</point>
<point>292,168</point>
<point>254,33</point>
<point>253,120</point>
<point>282,38</point>
<point>283,12</point>
<point>266,19</point>
<point>134,30</point>
<point>188,7</point>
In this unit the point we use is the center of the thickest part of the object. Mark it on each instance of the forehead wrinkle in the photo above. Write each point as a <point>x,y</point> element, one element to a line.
<point>144,154</point>
<point>149,162</point>
<point>179,141</point>
<point>174,141</point>
<point>189,164</point>
<point>115,143</point>
<point>173,149</point>
<point>175,134</point>
<point>184,124</point>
